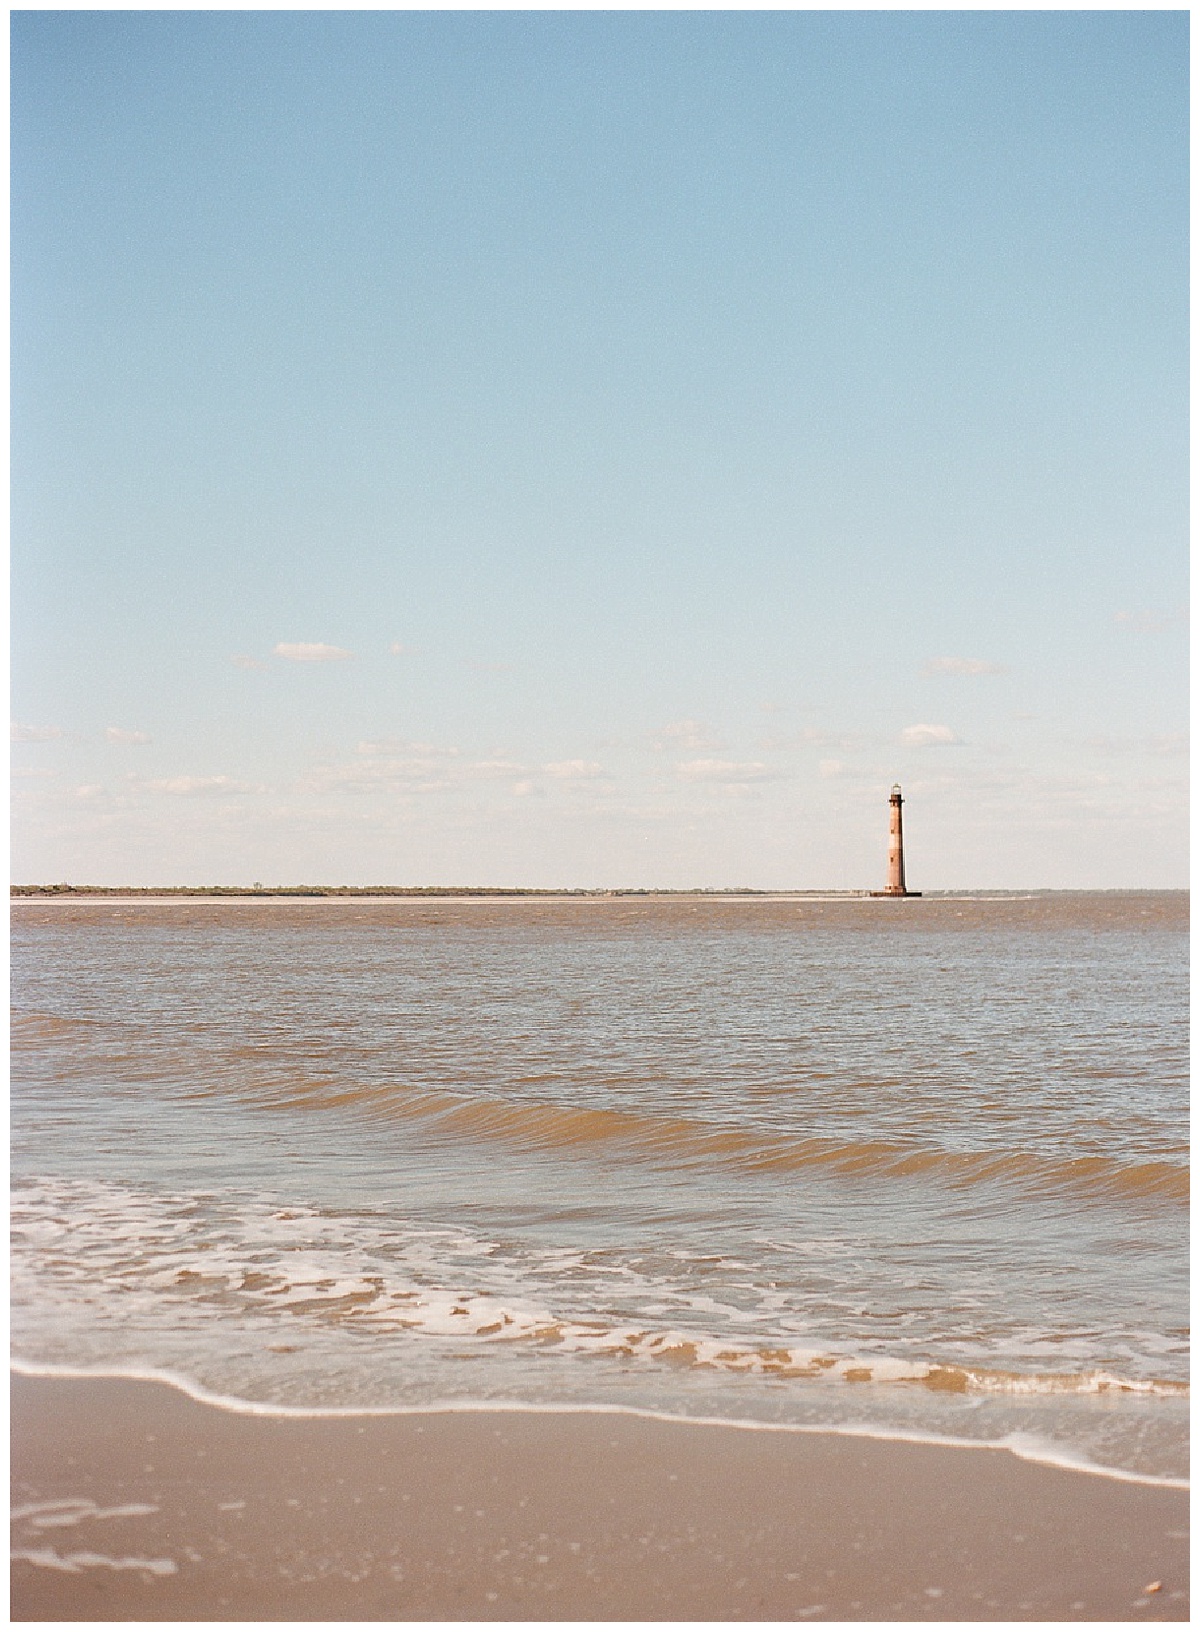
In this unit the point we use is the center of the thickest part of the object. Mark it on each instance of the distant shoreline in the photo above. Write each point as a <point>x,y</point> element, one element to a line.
<point>421,892</point>
<point>370,892</point>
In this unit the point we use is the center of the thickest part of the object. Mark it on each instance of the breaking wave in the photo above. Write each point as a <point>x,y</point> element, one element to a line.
<point>192,1259</point>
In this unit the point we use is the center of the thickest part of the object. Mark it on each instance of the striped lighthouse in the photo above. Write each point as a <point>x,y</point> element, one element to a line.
<point>895,872</point>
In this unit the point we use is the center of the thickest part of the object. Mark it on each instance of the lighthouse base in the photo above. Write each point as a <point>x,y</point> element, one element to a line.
<point>895,895</point>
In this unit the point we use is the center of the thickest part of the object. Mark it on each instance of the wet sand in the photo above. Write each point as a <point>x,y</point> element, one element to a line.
<point>135,1502</point>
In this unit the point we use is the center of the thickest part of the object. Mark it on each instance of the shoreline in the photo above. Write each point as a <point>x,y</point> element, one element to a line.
<point>398,892</point>
<point>515,898</point>
<point>1023,1448</point>
<point>137,1501</point>
<point>579,898</point>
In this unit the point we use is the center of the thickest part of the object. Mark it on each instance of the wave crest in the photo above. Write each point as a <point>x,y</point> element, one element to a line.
<point>557,1130</point>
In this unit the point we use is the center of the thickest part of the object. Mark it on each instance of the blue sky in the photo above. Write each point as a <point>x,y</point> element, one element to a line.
<point>597,449</point>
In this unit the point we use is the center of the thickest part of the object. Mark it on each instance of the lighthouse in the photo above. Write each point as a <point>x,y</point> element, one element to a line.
<point>895,872</point>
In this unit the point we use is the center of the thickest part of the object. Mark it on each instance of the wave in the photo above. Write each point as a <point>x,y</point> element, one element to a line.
<point>109,1251</point>
<point>552,1129</point>
<point>33,1028</point>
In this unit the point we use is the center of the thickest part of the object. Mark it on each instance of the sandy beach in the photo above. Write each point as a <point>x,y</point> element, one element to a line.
<point>134,1502</point>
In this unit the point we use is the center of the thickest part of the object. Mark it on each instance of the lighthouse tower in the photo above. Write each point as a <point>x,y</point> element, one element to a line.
<point>895,883</point>
<point>895,873</point>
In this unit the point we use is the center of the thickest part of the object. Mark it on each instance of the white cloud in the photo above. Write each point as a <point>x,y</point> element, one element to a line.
<point>35,733</point>
<point>724,770</point>
<point>310,652</point>
<point>133,738</point>
<point>693,734</point>
<point>574,770</point>
<point>831,767</point>
<point>398,648</point>
<point>929,736</point>
<point>241,661</point>
<point>962,665</point>
<point>191,786</point>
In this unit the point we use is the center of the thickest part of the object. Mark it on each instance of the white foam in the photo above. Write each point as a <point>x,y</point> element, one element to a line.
<point>60,1515</point>
<point>216,1271</point>
<point>1026,1447</point>
<point>72,1563</point>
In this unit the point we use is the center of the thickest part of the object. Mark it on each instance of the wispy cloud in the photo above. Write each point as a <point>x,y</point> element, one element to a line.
<point>1165,745</point>
<point>495,767</point>
<point>686,734</point>
<point>400,746</point>
<point>408,767</point>
<point>310,652</point>
<point>961,666</point>
<point>422,767</point>
<point>35,733</point>
<point>402,767</point>
<point>195,786</point>
<point>132,738</point>
<point>1147,622</point>
<point>831,767</point>
<point>241,660</point>
<point>725,770</point>
<point>574,770</point>
<point>807,737</point>
<point>1170,743</point>
<point>929,736</point>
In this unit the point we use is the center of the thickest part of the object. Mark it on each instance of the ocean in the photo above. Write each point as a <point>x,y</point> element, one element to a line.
<point>907,1168</point>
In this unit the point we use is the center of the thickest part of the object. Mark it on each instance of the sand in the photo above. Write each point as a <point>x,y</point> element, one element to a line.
<point>135,1502</point>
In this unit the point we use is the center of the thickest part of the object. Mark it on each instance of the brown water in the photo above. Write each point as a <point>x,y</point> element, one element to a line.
<point>914,1166</point>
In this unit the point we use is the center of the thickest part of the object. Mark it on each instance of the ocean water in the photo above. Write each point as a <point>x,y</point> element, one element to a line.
<point>913,1168</point>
